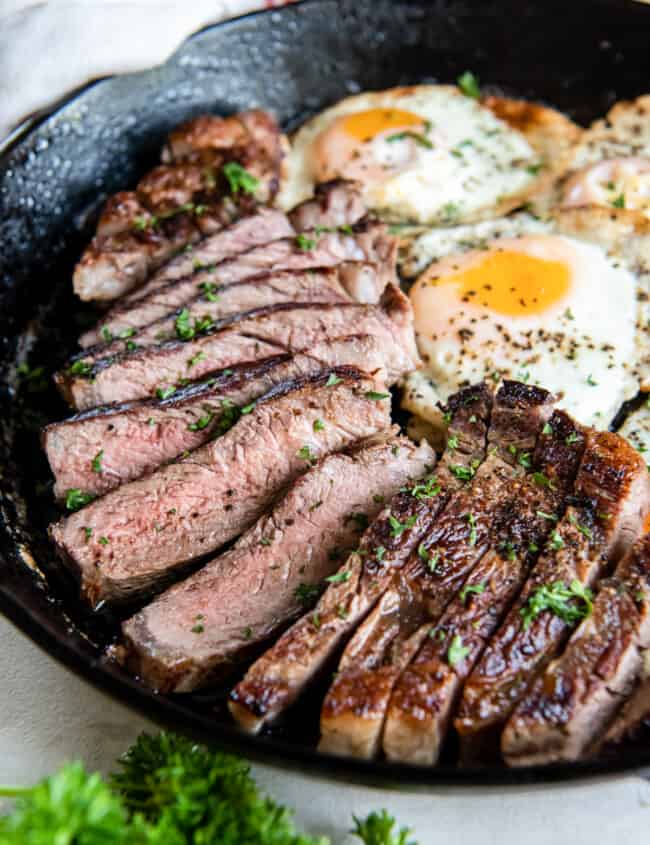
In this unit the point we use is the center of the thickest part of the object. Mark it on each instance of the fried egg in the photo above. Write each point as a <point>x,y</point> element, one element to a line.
<point>558,303</point>
<point>429,154</point>
<point>610,166</point>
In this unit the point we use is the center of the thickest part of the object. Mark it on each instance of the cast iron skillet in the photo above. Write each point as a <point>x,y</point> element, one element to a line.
<point>579,56</point>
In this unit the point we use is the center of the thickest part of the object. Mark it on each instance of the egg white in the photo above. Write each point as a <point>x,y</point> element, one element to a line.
<point>636,429</point>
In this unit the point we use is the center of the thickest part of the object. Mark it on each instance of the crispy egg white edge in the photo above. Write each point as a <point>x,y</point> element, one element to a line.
<point>636,429</point>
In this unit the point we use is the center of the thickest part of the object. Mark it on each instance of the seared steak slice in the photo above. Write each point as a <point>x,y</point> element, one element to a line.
<point>215,305</point>
<point>335,204</point>
<point>353,715</point>
<point>100,449</point>
<point>632,724</point>
<point>283,673</point>
<point>269,331</point>
<point>569,705</point>
<point>138,536</point>
<point>369,242</point>
<point>177,203</point>
<point>353,710</point>
<point>247,594</point>
<point>267,224</point>
<point>610,499</point>
<point>424,697</point>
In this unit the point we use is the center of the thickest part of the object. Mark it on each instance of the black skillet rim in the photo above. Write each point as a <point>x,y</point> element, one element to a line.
<point>25,604</point>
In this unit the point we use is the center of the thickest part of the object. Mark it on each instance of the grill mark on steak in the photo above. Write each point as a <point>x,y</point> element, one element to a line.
<point>219,307</point>
<point>267,224</point>
<point>423,700</point>
<point>246,595</point>
<point>137,536</point>
<point>569,705</point>
<point>265,332</point>
<point>134,438</point>
<point>604,516</point>
<point>178,202</point>
<point>353,710</point>
<point>275,681</point>
<point>368,242</point>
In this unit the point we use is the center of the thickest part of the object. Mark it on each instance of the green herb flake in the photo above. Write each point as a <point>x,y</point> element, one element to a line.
<point>202,422</point>
<point>305,454</point>
<point>319,425</point>
<point>471,589</point>
<point>469,85</point>
<point>104,541</point>
<point>80,368</point>
<point>195,360</point>
<point>619,201</point>
<point>333,380</point>
<point>166,392</point>
<point>306,593</point>
<point>420,139</point>
<point>456,652</point>
<point>471,519</point>
<point>548,429</point>
<point>376,397</point>
<point>305,243</point>
<point>76,499</point>
<point>397,528</point>
<point>339,577</point>
<point>571,604</point>
<point>239,179</point>
<point>96,462</point>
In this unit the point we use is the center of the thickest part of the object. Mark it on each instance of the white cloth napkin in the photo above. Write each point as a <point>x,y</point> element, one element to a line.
<point>48,49</point>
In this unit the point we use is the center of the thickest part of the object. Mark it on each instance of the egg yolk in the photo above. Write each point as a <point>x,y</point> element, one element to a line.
<point>365,125</point>
<point>509,282</point>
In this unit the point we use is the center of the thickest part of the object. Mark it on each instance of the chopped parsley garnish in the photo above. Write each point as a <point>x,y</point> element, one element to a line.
<point>341,612</point>
<point>420,139</point>
<point>469,85</point>
<point>548,429</point>
<point>376,397</point>
<point>534,169</point>
<point>319,425</point>
<point>380,551</point>
<point>378,499</point>
<point>339,577</point>
<point>456,652</point>
<point>524,460</point>
<point>96,462</point>
<point>306,593</point>
<point>427,489</point>
<point>305,243</point>
<point>470,589</point>
<point>556,542</point>
<point>583,529</point>
<point>198,627</point>
<point>306,454</point>
<point>195,360</point>
<point>471,519</point>
<point>80,368</point>
<point>397,528</point>
<point>208,290</point>
<point>166,392</point>
<point>247,633</point>
<point>107,334</point>
<point>571,604</point>
<point>591,381</point>
<point>333,380</point>
<point>239,179</point>
<point>315,620</point>
<point>542,480</point>
<point>202,422</point>
<point>104,541</point>
<point>619,201</point>
<point>430,558</point>
<point>572,438</point>
<point>452,441</point>
<point>549,516</point>
<point>88,532</point>
<point>464,473</point>
<point>76,499</point>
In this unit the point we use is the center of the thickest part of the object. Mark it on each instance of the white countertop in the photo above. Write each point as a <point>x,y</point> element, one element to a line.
<point>48,715</point>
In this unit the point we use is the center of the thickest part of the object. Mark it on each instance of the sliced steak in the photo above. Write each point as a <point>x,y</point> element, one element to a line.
<point>215,305</point>
<point>423,700</point>
<point>281,675</point>
<point>280,328</point>
<point>569,705</point>
<point>100,449</point>
<point>178,202</point>
<point>631,726</point>
<point>352,719</point>
<point>610,499</point>
<point>265,225</point>
<point>138,536</point>
<point>369,242</point>
<point>335,204</point>
<point>247,594</point>
<point>353,710</point>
